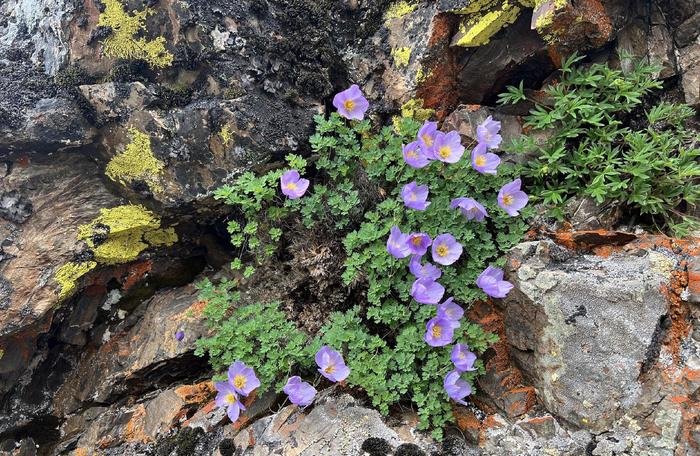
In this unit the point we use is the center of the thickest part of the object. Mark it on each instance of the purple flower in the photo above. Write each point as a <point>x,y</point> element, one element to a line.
<point>438,332</point>
<point>414,155</point>
<point>397,244</point>
<point>423,271</point>
<point>415,196</point>
<point>446,249</point>
<point>491,281</point>
<point>227,397</point>
<point>242,378</point>
<point>471,209</point>
<point>426,136</point>
<point>292,185</point>
<point>351,104</point>
<point>427,291</point>
<point>180,335</point>
<point>487,133</point>
<point>418,243</point>
<point>299,392</point>
<point>448,147</point>
<point>483,161</point>
<point>511,198</point>
<point>331,364</point>
<point>456,387</point>
<point>462,358</point>
<point>450,311</point>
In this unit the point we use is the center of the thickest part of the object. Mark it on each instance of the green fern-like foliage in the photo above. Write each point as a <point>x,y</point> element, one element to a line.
<point>123,42</point>
<point>605,143</point>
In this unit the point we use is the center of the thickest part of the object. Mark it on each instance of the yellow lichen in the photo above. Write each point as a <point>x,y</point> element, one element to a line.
<point>225,135</point>
<point>422,76</point>
<point>136,163</point>
<point>412,109</point>
<point>478,30</point>
<point>123,44</point>
<point>545,20</point>
<point>120,234</point>
<point>402,56</point>
<point>400,9</point>
<point>67,277</point>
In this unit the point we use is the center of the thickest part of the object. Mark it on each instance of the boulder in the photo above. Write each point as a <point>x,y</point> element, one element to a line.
<point>582,327</point>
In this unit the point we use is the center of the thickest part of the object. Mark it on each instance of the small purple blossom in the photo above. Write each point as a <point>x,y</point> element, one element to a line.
<point>426,136</point>
<point>414,155</point>
<point>483,161</point>
<point>180,335</point>
<point>242,378</point>
<point>487,133</point>
<point>491,281</point>
<point>470,208</point>
<point>438,332</point>
<point>462,358</point>
<point>351,104</point>
<point>456,387</point>
<point>423,271</point>
<point>448,147</point>
<point>511,198</point>
<point>331,364</point>
<point>415,196</point>
<point>446,250</point>
<point>299,392</point>
<point>427,291</point>
<point>292,185</point>
<point>397,244</point>
<point>227,397</point>
<point>450,311</point>
<point>418,243</point>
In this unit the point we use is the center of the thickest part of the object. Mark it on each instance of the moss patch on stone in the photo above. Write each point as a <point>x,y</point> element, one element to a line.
<point>402,56</point>
<point>67,277</point>
<point>123,44</point>
<point>136,163</point>
<point>120,234</point>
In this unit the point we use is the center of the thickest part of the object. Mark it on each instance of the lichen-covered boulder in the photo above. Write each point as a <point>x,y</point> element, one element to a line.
<point>582,327</point>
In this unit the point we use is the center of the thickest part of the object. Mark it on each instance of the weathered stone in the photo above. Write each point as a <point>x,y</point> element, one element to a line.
<point>689,63</point>
<point>582,328</point>
<point>336,426</point>
<point>686,33</point>
<point>583,213</point>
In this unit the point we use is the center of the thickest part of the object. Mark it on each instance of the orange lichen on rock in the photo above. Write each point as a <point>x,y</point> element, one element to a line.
<point>197,394</point>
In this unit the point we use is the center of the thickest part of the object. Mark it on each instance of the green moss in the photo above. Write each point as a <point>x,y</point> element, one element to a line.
<point>67,277</point>
<point>136,163</point>
<point>478,29</point>
<point>400,9</point>
<point>120,234</point>
<point>225,135</point>
<point>401,56</point>
<point>123,44</point>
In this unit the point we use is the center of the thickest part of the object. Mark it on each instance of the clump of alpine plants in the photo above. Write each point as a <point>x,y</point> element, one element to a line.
<point>424,225</point>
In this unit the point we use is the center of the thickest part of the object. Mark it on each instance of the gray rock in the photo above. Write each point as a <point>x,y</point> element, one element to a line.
<point>687,32</point>
<point>689,62</point>
<point>336,426</point>
<point>582,327</point>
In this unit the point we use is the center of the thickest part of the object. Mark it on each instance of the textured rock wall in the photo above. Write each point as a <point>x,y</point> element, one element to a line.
<point>106,219</point>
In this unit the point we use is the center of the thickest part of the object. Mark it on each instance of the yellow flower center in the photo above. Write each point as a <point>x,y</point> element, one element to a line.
<point>330,369</point>
<point>461,355</point>
<point>413,197</point>
<point>239,381</point>
<point>416,241</point>
<point>428,140</point>
<point>231,398</point>
<point>480,160</point>
<point>507,200</point>
<point>411,154</point>
<point>445,151</point>
<point>291,186</point>
<point>349,105</point>
<point>436,331</point>
<point>442,250</point>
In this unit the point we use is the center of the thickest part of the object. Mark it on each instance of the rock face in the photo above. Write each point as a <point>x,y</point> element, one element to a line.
<point>582,328</point>
<point>108,162</point>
